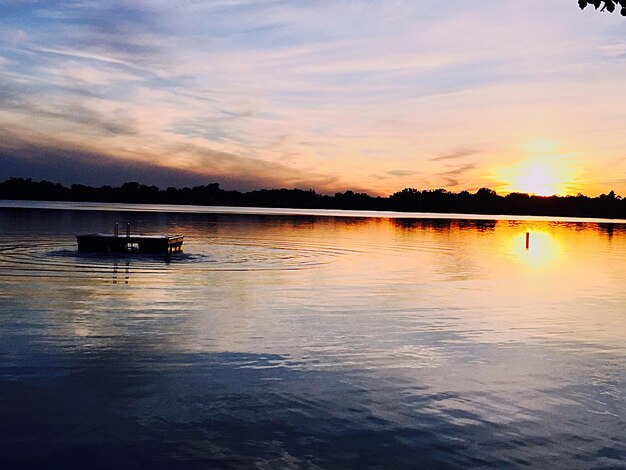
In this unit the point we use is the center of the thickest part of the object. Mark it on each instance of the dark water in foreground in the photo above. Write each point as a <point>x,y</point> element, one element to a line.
<point>313,342</point>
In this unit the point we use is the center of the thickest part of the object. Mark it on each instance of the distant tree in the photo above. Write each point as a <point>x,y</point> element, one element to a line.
<point>486,193</point>
<point>608,5</point>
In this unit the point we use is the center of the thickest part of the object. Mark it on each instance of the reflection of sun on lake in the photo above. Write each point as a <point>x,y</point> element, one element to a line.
<point>543,249</point>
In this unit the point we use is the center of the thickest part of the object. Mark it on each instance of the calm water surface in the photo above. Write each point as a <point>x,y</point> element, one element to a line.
<point>285,341</point>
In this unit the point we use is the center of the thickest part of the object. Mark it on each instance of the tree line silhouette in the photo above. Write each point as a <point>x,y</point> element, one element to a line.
<point>483,201</point>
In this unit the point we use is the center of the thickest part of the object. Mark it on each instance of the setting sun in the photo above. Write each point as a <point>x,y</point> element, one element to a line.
<point>543,177</point>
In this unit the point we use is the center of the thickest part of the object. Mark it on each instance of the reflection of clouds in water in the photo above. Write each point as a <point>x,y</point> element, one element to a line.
<point>405,342</point>
<point>227,409</point>
<point>243,408</point>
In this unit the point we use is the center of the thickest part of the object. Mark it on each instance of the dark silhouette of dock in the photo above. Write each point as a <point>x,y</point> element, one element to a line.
<point>114,243</point>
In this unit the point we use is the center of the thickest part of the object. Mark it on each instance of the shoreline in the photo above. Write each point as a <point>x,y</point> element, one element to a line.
<point>275,211</point>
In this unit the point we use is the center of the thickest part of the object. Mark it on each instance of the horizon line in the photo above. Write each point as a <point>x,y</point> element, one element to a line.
<point>439,189</point>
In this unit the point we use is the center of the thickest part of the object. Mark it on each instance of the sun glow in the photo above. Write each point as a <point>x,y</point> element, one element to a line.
<point>541,252</point>
<point>541,176</point>
<point>543,173</point>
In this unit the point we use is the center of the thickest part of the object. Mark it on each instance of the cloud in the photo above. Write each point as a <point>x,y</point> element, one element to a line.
<point>117,123</point>
<point>22,101</point>
<point>59,162</point>
<point>451,176</point>
<point>614,50</point>
<point>459,171</point>
<point>455,154</point>
<point>79,54</point>
<point>402,172</point>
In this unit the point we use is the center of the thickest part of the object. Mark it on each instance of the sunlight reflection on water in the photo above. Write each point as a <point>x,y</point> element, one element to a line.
<point>543,249</point>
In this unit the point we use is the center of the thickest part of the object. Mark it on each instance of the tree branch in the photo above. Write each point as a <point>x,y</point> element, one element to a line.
<point>608,5</point>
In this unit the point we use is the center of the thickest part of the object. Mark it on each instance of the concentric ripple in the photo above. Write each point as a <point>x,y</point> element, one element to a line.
<point>59,258</point>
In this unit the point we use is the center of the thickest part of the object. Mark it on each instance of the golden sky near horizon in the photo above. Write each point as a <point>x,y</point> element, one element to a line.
<point>518,95</point>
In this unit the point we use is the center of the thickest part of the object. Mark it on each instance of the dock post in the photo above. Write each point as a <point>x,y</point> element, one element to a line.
<point>116,230</point>
<point>527,240</point>
<point>128,230</point>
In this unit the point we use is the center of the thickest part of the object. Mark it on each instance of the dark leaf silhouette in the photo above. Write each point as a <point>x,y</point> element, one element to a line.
<point>604,5</point>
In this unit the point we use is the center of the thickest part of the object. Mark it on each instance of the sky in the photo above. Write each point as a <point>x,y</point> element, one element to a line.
<point>375,96</point>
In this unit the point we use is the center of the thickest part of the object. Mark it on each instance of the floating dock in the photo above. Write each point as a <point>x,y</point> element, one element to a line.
<point>114,243</point>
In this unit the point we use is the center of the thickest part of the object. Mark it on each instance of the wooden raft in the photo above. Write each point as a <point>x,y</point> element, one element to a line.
<point>105,243</point>
<point>134,244</point>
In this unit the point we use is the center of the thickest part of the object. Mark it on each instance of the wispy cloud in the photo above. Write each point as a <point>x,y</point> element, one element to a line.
<point>455,154</point>
<point>451,176</point>
<point>402,172</point>
<point>78,54</point>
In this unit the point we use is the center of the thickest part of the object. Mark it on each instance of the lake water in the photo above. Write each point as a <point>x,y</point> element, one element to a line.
<point>310,341</point>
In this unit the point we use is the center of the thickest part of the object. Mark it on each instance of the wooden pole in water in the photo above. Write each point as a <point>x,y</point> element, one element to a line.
<point>128,230</point>
<point>527,240</point>
<point>116,231</point>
